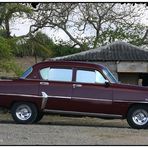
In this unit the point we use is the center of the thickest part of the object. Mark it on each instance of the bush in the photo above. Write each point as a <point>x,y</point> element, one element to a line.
<point>5,49</point>
<point>11,66</point>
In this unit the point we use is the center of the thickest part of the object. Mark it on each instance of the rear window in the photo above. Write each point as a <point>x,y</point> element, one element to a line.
<point>27,72</point>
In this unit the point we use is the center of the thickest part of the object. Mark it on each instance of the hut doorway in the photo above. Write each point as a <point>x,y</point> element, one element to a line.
<point>144,79</point>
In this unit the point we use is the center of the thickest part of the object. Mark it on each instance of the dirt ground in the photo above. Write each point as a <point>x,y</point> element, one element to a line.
<point>56,130</point>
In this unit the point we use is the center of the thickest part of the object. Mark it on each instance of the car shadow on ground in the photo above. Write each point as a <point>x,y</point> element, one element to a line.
<point>66,123</point>
<point>82,124</point>
<point>6,122</point>
<point>70,121</point>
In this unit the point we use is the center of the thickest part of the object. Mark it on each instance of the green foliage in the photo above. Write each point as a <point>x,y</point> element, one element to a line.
<point>62,50</point>
<point>11,66</point>
<point>5,49</point>
<point>132,35</point>
<point>42,46</point>
<point>3,33</point>
<point>12,10</point>
<point>17,7</point>
<point>37,46</point>
<point>7,63</point>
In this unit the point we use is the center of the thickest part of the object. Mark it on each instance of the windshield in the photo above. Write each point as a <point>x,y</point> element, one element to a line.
<point>110,76</point>
<point>26,73</point>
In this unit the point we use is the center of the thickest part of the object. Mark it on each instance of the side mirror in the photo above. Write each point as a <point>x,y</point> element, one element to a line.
<point>107,84</point>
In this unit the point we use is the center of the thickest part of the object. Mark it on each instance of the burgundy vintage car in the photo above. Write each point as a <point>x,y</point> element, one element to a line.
<point>75,89</point>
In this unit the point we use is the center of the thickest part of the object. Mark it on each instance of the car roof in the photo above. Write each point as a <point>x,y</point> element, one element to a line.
<point>69,63</point>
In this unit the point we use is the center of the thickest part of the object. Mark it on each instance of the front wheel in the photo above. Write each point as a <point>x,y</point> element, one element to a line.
<point>24,112</point>
<point>39,117</point>
<point>137,117</point>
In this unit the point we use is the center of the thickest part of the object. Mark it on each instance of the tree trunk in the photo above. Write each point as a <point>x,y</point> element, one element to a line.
<point>7,28</point>
<point>35,57</point>
<point>74,39</point>
<point>96,39</point>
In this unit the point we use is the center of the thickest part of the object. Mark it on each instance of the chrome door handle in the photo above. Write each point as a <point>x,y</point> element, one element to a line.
<point>77,85</point>
<point>44,83</point>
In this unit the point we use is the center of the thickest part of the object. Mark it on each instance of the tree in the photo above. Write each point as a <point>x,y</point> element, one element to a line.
<point>54,15</point>
<point>38,45</point>
<point>5,49</point>
<point>7,62</point>
<point>64,48</point>
<point>9,11</point>
<point>90,25</point>
<point>111,21</point>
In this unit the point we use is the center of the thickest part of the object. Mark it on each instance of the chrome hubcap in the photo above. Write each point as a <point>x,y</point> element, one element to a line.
<point>23,112</point>
<point>140,117</point>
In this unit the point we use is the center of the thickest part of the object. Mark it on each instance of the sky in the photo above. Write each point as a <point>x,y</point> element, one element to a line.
<point>21,27</point>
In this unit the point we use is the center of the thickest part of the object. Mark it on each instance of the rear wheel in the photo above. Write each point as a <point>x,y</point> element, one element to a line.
<point>24,112</point>
<point>137,117</point>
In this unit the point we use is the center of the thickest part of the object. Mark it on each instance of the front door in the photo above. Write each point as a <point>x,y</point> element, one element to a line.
<point>90,93</point>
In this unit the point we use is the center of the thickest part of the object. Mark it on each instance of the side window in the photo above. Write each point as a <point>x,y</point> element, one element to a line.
<point>27,72</point>
<point>56,74</point>
<point>99,78</point>
<point>86,76</point>
<point>45,73</point>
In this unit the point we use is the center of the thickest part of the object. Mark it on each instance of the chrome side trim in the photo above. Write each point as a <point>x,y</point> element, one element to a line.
<point>65,97</point>
<point>130,101</point>
<point>22,95</point>
<point>44,100</point>
<point>60,97</point>
<point>106,100</point>
<point>82,113</point>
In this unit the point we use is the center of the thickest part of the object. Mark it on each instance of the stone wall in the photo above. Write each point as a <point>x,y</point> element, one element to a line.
<point>24,63</point>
